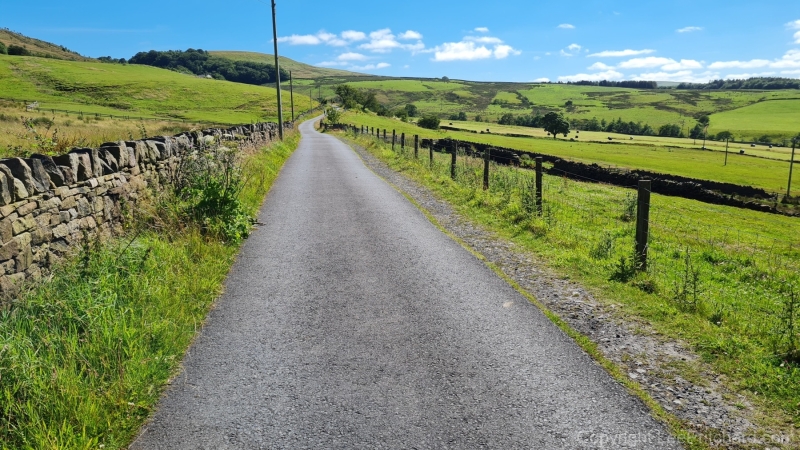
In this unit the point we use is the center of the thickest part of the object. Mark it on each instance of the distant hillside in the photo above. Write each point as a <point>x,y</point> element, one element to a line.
<point>299,70</point>
<point>39,47</point>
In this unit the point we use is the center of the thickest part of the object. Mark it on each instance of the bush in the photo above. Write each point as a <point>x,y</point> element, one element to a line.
<point>19,51</point>
<point>430,122</point>
<point>3,49</point>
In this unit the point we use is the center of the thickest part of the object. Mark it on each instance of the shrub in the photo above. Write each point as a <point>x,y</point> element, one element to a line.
<point>430,122</point>
<point>19,51</point>
<point>3,49</point>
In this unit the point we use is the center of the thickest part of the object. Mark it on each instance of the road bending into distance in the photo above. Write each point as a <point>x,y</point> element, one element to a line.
<point>350,321</point>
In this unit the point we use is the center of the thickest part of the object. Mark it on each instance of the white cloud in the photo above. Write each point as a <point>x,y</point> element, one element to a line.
<point>468,50</point>
<point>574,47</point>
<point>482,30</point>
<point>689,29</point>
<point>650,61</point>
<point>790,72</point>
<point>383,41</point>
<point>378,66</point>
<point>752,64</point>
<point>352,36</point>
<point>682,65</point>
<point>411,35</point>
<point>504,51</point>
<point>796,26</point>
<point>790,60</point>
<point>563,53</point>
<point>461,51</point>
<point>484,39</point>
<point>621,53</point>
<point>566,26</point>
<point>599,76</point>
<point>322,37</point>
<point>599,66</point>
<point>542,80</point>
<point>797,38</point>
<point>300,40</point>
<point>352,56</point>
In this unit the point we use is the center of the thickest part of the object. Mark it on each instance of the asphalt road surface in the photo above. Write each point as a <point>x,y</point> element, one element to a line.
<point>350,321</point>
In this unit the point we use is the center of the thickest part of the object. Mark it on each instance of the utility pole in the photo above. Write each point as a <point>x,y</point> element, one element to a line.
<point>791,166</point>
<point>291,93</point>
<point>277,71</point>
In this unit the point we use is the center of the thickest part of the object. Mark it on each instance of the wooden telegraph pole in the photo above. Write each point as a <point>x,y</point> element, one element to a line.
<point>791,166</point>
<point>291,93</point>
<point>277,71</point>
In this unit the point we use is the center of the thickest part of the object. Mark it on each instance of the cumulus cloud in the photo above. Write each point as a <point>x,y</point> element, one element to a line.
<point>599,76</point>
<point>564,53</point>
<point>352,56</point>
<point>378,66</point>
<point>482,30</point>
<point>353,36</point>
<point>566,26</point>
<point>741,76</point>
<point>411,35</point>
<point>542,80</point>
<point>621,53</point>
<point>650,61</point>
<point>795,25</point>
<point>689,29</point>
<point>599,66</point>
<point>484,39</point>
<point>790,60</point>
<point>384,41</point>
<point>574,47</point>
<point>323,37</point>
<point>470,51</point>
<point>682,65</point>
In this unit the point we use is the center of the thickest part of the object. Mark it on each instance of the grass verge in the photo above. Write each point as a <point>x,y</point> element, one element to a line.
<point>85,357</point>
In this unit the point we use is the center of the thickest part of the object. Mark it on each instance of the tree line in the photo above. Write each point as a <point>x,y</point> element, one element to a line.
<point>750,83</point>
<point>618,84</point>
<point>200,62</point>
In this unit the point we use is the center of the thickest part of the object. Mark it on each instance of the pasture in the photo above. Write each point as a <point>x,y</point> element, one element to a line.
<point>135,90</point>
<point>768,174</point>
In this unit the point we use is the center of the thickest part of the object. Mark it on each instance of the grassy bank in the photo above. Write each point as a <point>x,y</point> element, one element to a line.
<point>84,357</point>
<point>721,279</point>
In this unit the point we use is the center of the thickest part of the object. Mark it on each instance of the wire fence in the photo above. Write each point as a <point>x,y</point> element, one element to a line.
<point>732,267</point>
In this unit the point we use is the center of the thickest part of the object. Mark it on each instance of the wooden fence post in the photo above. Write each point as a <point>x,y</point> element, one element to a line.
<point>539,185</point>
<point>403,142</point>
<point>430,149</point>
<point>486,158</point>
<point>384,135</point>
<point>416,146</point>
<point>394,138</point>
<point>453,161</point>
<point>643,224</point>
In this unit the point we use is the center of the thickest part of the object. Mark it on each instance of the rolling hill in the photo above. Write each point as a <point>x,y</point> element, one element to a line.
<point>39,47</point>
<point>299,70</point>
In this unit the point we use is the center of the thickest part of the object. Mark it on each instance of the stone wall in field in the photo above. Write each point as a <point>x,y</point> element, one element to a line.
<point>49,206</point>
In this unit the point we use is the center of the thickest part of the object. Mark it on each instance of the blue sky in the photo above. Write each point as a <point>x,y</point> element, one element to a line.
<point>505,40</point>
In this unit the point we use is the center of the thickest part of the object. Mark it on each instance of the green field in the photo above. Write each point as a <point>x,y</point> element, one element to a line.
<point>768,174</point>
<point>136,91</point>
<point>747,114</point>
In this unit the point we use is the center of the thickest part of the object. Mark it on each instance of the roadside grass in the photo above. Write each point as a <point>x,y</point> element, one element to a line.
<point>135,90</point>
<point>85,356</point>
<point>771,175</point>
<point>721,279</point>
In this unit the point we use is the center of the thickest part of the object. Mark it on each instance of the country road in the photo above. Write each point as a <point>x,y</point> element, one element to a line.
<point>350,321</point>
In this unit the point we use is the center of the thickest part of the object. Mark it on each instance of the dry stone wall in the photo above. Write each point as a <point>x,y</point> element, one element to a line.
<point>50,205</point>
